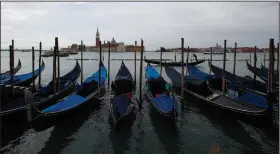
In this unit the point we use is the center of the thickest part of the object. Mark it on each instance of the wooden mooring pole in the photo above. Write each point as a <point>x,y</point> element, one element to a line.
<point>109,57</point>
<point>250,58</point>
<point>140,75</point>
<point>12,63</point>
<point>271,96</point>
<point>234,58</point>
<point>161,60</point>
<point>58,64</point>
<point>33,69</point>
<point>255,62</point>
<point>99,70</point>
<point>270,68</point>
<point>40,59</point>
<point>277,62</point>
<point>224,67</point>
<point>135,61</point>
<point>264,57</point>
<point>175,56</point>
<point>187,61</point>
<point>54,70</point>
<point>12,67</point>
<point>210,60</point>
<point>182,73</point>
<point>82,68</point>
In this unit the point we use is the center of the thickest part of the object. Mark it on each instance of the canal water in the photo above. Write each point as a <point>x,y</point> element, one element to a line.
<point>196,131</point>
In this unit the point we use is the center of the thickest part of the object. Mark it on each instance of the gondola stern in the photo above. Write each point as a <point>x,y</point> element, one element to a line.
<point>19,62</point>
<point>43,63</point>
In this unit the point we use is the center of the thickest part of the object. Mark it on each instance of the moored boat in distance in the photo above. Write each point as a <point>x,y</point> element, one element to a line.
<point>174,63</point>
<point>217,50</point>
<point>72,53</point>
<point>50,54</point>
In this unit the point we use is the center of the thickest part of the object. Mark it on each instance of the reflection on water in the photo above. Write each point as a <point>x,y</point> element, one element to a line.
<point>61,133</point>
<point>120,135</point>
<point>167,131</point>
<point>195,130</point>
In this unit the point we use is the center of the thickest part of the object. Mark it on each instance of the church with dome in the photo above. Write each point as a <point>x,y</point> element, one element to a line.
<point>115,46</point>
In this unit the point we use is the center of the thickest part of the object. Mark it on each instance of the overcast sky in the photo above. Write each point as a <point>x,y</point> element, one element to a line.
<point>158,24</point>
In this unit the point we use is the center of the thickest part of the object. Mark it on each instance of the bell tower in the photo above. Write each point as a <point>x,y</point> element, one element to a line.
<point>97,38</point>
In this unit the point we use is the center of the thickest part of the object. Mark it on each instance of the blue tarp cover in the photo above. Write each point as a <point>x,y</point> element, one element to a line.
<point>94,77</point>
<point>253,99</point>
<point>165,103</point>
<point>120,103</point>
<point>22,77</point>
<point>193,71</point>
<point>151,73</point>
<point>65,104</point>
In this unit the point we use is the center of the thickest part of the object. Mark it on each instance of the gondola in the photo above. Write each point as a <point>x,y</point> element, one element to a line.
<point>24,79</point>
<point>122,104</point>
<point>266,69</point>
<point>242,84</point>
<point>263,73</point>
<point>15,109</point>
<point>252,98</point>
<point>87,94</point>
<point>240,107</point>
<point>7,74</point>
<point>174,63</point>
<point>159,94</point>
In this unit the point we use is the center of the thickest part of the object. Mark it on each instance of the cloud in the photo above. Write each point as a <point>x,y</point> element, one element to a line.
<point>158,24</point>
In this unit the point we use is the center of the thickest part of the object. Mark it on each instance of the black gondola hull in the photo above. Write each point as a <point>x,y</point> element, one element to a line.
<point>43,122</point>
<point>154,108</point>
<point>255,119</point>
<point>16,69</point>
<point>27,82</point>
<point>18,117</point>
<point>173,63</point>
<point>127,119</point>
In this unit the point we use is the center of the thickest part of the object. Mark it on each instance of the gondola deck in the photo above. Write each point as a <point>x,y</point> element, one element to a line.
<point>123,103</point>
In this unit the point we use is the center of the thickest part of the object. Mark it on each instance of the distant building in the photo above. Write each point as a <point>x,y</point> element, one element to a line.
<point>132,48</point>
<point>115,46</point>
<point>69,50</point>
<point>247,49</point>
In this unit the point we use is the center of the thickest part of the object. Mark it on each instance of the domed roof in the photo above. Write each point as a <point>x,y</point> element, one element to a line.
<point>113,40</point>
